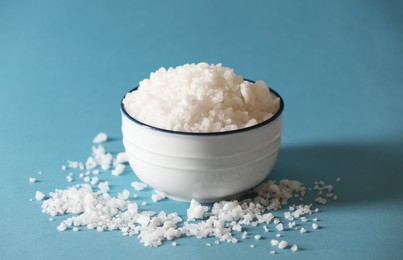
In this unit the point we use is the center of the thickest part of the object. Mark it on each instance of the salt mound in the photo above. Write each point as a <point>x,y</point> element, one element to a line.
<point>200,98</point>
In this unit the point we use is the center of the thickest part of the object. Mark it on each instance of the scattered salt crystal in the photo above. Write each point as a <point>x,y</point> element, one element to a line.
<point>81,166</point>
<point>122,157</point>
<point>95,172</point>
<point>124,195</point>
<point>237,227</point>
<point>315,226</point>
<point>280,227</point>
<point>266,229</point>
<point>75,229</point>
<point>50,219</point>
<point>252,246</point>
<point>258,237</point>
<point>94,180</point>
<point>135,196</point>
<point>244,235</point>
<point>196,210</point>
<point>217,242</point>
<point>100,229</point>
<point>39,195</point>
<point>81,175</point>
<point>144,203</point>
<point>87,179</point>
<point>103,187</point>
<point>174,244</point>
<point>278,235</point>
<point>62,227</point>
<point>39,172</point>
<point>274,242</point>
<point>303,230</point>
<point>283,244</point>
<point>90,163</point>
<point>69,178</point>
<point>32,180</point>
<point>335,197</point>
<point>138,186</point>
<point>208,244</point>
<point>276,221</point>
<point>64,167</point>
<point>315,219</point>
<point>272,252</point>
<point>100,138</point>
<point>31,199</point>
<point>118,169</point>
<point>294,248</point>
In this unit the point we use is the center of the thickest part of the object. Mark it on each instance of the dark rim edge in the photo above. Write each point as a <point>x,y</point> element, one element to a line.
<point>271,119</point>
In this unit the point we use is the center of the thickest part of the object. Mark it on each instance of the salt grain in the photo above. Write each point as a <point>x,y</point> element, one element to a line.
<point>303,230</point>
<point>118,169</point>
<point>315,226</point>
<point>32,180</point>
<point>258,237</point>
<point>62,227</point>
<point>294,248</point>
<point>272,252</point>
<point>138,186</point>
<point>39,195</point>
<point>280,227</point>
<point>283,244</point>
<point>100,138</point>
<point>274,242</point>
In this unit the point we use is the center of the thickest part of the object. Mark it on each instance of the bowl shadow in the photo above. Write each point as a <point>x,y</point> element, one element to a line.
<point>369,172</point>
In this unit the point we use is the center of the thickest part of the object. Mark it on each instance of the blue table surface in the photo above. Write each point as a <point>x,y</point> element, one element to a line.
<point>65,65</point>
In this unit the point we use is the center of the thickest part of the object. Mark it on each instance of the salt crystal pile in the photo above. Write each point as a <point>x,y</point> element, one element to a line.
<point>200,98</point>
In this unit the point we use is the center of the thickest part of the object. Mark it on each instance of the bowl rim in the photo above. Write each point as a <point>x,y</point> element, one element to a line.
<point>150,127</point>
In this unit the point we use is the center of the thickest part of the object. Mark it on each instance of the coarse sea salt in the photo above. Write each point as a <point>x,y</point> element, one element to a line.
<point>91,205</point>
<point>39,195</point>
<point>100,138</point>
<point>200,98</point>
<point>32,180</point>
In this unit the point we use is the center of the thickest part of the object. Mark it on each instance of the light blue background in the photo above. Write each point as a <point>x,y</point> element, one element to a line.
<point>65,65</point>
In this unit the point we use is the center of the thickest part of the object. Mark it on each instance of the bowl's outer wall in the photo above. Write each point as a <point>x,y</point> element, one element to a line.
<point>203,167</point>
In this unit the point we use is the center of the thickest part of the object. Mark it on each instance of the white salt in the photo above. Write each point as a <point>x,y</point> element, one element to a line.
<point>283,244</point>
<point>39,195</point>
<point>200,98</point>
<point>258,237</point>
<point>303,230</point>
<point>100,138</point>
<point>294,248</point>
<point>32,180</point>
<point>315,226</point>
<point>62,227</point>
<point>274,242</point>
<point>196,210</point>
<point>138,186</point>
<point>122,158</point>
<point>118,169</point>
<point>280,227</point>
<point>272,252</point>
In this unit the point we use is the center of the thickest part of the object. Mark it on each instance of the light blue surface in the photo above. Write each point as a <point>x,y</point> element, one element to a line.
<point>64,66</point>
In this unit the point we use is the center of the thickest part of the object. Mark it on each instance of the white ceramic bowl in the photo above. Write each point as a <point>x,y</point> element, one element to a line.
<point>205,166</point>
